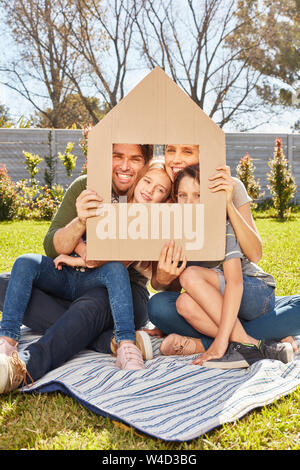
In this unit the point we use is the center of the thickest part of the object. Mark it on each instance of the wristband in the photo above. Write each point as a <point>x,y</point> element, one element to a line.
<point>151,289</point>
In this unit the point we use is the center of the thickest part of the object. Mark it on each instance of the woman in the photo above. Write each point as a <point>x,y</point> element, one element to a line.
<point>278,324</point>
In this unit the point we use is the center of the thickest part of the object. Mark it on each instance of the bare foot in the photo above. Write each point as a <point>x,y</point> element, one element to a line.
<point>291,340</point>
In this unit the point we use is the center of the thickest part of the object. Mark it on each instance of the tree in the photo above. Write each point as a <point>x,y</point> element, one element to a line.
<point>188,41</point>
<point>269,37</point>
<point>282,184</point>
<point>4,116</point>
<point>39,71</point>
<point>100,32</point>
<point>245,172</point>
<point>72,113</point>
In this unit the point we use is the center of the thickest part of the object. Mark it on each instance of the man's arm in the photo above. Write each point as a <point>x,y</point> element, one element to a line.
<point>69,223</point>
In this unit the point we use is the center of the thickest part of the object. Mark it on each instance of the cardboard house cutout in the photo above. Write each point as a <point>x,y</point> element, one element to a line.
<point>156,112</point>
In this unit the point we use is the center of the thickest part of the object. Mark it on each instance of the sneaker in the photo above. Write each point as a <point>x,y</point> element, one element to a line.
<point>6,347</point>
<point>142,341</point>
<point>240,355</point>
<point>129,357</point>
<point>12,372</point>
<point>280,351</point>
<point>176,345</point>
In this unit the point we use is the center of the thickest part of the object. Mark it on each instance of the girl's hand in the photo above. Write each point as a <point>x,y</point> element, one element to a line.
<point>62,260</point>
<point>154,332</point>
<point>223,181</point>
<point>215,351</point>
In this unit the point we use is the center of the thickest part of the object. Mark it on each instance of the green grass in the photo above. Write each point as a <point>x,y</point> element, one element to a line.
<point>55,422</point>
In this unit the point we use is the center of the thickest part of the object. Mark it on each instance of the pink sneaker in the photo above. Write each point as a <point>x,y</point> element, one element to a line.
<point>129,357</point>
<point>176,345</point>
<point>6,348</point>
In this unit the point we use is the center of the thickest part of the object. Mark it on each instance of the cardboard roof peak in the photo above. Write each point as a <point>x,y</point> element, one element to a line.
<point>158,111</point>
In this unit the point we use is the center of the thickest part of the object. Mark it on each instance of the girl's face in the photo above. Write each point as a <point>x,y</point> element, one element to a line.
<point>188,191</point>
<point>154,186</point>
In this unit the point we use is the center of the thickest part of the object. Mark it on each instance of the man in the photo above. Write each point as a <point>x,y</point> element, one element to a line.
<point>66,235</point>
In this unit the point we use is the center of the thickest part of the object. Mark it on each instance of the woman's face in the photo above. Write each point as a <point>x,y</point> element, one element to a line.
<point>177,157</point>
<point>154,186</point>
<point>188,191</point>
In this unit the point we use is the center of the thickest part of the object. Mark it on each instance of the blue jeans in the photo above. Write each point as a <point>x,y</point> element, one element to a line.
<point>258,298</point>
<point>36,270</point>
<point>281,321</point>
<point>86,324</point>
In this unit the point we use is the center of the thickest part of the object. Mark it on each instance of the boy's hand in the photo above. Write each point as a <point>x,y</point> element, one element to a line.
<point>167,267</point>
<point>215,351</point>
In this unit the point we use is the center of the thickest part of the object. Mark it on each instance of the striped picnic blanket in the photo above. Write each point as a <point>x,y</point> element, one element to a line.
<point>171,399</point>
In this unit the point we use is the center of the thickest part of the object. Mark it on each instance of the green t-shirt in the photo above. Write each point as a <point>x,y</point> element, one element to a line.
<point>66,213</point>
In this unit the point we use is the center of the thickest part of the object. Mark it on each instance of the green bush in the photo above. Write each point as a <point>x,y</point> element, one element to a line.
<point>37,202</point>
<point>7,195</point>
<point>282,184</point>
<point>245,172</point>
<point>48,202</point>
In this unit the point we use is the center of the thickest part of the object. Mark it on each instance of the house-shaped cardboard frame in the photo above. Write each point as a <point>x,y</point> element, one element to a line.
<point>157,111</point>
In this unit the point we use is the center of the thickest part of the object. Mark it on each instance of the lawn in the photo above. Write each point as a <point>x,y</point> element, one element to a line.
<point>54,421</point>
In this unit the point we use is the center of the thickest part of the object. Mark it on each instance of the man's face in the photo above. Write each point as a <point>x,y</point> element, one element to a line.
<point>178,157</point>
<point>127,161</point>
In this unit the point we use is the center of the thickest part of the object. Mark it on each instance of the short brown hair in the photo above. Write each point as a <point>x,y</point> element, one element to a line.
<point>147,151</point>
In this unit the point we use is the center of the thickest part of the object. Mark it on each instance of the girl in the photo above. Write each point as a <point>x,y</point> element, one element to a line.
<point>153,185</point>
<point>216,294</point>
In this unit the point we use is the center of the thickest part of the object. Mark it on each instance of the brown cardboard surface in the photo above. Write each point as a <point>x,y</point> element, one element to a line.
<point>156,111</point>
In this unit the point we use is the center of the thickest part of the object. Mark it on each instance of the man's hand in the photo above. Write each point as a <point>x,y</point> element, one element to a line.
<point>167,268</point>
<point>88,205</point>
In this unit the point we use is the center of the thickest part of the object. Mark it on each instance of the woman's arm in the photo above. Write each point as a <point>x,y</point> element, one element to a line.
<point>245,231</point>
<point>240,217</point>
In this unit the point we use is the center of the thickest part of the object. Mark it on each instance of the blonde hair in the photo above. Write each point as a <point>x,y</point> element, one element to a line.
<point>154,164</point>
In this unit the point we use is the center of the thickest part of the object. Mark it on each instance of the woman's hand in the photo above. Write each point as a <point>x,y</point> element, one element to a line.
<point>215,351</point>
<point>223,181</point>
<point>167,268</point>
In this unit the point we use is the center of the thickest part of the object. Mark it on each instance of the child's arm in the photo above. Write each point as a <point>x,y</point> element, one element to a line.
<point>80,250</point>
<point>68,260</point>
<point>230,308</point>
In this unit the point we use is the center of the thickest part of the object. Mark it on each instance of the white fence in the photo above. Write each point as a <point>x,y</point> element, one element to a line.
<point>48,141</point>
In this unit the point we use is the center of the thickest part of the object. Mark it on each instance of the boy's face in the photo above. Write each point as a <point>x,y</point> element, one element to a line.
<point>188,191</point>
<point>127,161</point>
<point>177,157</point>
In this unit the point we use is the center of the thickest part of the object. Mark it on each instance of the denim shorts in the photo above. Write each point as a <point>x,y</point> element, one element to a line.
<point>258,297</point>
